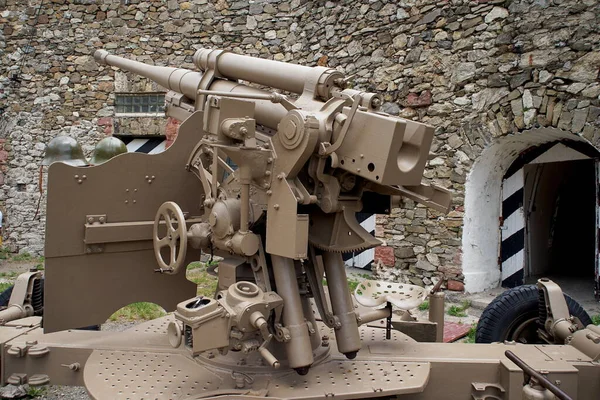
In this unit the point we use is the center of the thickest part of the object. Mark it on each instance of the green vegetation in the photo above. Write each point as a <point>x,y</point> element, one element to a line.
<point>353,280</point>
<point>9,274</point>
<point>459,311</point>
<point>5,285</point>
<point>22,257</point>
<point>424,306</point>
<point>207,284</point>
<point>471,335</point>
<point>137,311</point>
<point>596,319</point>
<point>4,253</point>
<point>34,391</point>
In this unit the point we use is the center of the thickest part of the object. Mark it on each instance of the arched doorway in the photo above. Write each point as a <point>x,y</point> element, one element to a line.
<point>511,207</point>
<point>548,215</point>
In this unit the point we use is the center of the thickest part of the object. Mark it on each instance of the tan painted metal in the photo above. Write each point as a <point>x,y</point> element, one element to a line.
<point>436,313</point>
<point>119,363</point>
<point>124,231</point>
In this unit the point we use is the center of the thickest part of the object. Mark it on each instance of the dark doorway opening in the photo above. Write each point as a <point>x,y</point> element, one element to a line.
<point>560,207</point>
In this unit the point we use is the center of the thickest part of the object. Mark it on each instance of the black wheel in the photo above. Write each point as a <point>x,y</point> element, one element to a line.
<point>514,316</point>
<point>5,296</point>
<point>37,298</point>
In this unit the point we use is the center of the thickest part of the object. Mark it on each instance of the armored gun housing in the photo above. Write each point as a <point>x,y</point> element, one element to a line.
<point>308,157</point>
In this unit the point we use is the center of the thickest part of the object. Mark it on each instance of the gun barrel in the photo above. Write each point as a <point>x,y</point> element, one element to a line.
<point>284,76</point>
<point>180,80</point>
<point>186,82</point>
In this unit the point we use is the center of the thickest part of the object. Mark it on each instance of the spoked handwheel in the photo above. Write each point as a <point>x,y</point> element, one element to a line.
<point>175,239</point>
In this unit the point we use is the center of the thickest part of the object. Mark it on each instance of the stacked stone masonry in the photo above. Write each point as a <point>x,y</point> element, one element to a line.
<point>475,70</point>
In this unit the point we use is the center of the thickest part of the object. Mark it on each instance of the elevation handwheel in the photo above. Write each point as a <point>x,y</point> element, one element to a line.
<point>175,239</point>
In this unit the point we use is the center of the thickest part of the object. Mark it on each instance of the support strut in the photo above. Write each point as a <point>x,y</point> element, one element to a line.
<point>298,347</point>
<point>346,334</point>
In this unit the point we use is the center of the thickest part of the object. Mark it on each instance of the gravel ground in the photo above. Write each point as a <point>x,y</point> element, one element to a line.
<point>65,393</point>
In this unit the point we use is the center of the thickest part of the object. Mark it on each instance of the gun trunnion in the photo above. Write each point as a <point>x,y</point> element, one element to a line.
<point>308,159</point>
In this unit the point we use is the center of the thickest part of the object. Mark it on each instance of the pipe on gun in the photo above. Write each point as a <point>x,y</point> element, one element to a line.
<point>187,83</point>
<point>289,77</point>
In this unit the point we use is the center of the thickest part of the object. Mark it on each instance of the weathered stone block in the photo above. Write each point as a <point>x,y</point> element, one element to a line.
<point>421,100</point>
<point>430,17</point>
<point>584,69</point>
<point>404,252</point>
<point>463,72</point>
<point>425,266</point>
<point>497,13</point>
<point>520,79</point>
<point>579,119</point>
<point>456,286</point>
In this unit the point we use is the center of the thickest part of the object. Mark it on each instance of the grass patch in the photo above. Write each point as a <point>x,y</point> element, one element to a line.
<point>22,257</point>
<point>352,281</point>
<point>596,319</point>
<point>207,284</point>
<point>138,311</point>
<point>4,253</point>
<point>5,285</point>
<point>35,392</point>
<point>424,305</point>
<point>459,311</point>
<point>470,338</point>
<point>9,274</point>
<point>195,265</point>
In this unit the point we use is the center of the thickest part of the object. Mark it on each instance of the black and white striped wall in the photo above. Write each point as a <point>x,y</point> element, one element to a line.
<point>362,259</point>
<point>153,145</point>
<point>512,248</point>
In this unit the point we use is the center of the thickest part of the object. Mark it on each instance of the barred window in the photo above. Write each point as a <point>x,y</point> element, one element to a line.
<point>139,103</point>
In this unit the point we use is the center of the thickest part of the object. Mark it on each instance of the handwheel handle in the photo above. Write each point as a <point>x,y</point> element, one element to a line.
<point>175,239</point>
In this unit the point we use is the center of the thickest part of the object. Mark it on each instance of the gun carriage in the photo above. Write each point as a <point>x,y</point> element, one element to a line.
<point>307,161</point>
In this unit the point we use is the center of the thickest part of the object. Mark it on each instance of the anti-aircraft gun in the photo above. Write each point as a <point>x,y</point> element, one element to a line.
<point>284,217</point>
<point>306,161</point>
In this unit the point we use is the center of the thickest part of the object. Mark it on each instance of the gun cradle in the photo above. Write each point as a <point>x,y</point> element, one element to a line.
<point>281,219</point>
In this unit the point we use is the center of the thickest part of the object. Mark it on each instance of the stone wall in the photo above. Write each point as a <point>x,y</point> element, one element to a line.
<point>480,71</point>
<point>476,70</point>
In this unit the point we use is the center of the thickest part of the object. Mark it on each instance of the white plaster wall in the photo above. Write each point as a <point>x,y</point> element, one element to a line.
<point>481,233</point>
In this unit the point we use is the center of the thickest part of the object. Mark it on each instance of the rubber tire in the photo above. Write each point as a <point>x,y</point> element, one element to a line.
<point>5,296</point>
<point>514,307</point>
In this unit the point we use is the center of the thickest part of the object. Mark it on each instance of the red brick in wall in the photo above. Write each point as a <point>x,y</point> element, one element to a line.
<point>386,255</point>
<point>107,123</point>
<point>171,131</point>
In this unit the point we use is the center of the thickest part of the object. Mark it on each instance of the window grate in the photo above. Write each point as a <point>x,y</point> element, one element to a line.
<point>139,103</point>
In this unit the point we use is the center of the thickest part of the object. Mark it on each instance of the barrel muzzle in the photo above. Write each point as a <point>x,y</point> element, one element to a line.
<point>100,56</point>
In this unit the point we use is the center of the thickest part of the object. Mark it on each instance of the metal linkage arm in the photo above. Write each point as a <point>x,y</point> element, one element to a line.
<point>540,379</point>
